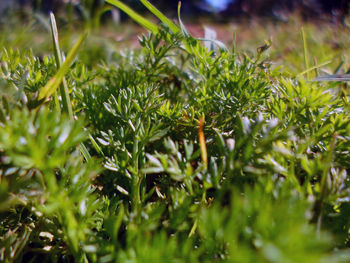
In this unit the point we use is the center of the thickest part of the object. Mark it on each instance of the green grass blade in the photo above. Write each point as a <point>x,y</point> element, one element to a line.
<point>306,55</point>
<point>56,45</point>
<point>56,81</point>
<point>182,26</point>
<point>314,67</point>
<point>135,16</point>
<point>234,44</point>
<point>66,103</point>
<point>173,27</point>
<point>84,151</point>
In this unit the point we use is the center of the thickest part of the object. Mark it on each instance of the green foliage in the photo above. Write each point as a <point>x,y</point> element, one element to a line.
<point>270,185</point>
<point>274,232</point>
<point>45,183</point>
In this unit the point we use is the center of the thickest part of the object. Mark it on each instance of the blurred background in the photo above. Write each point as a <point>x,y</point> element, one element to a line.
<point>223,10</point>
<point>245,24</point>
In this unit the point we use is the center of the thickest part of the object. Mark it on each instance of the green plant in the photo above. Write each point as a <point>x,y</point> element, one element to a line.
<point>197,155</point>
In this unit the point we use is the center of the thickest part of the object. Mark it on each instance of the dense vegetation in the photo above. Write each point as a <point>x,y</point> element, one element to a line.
<point>181,151</point>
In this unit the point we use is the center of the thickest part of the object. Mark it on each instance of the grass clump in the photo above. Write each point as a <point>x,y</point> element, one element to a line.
<point>190,155</point>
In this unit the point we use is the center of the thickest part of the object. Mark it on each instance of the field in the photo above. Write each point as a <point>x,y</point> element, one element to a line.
<point>159,142</point>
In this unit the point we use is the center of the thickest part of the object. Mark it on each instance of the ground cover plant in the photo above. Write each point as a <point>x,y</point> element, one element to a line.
<point>184,150</point>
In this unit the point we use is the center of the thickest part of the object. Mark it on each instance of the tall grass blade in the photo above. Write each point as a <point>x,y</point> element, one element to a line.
<point>234,44</point>
<point>306,55</point>
<point>182,26</point>
<point>314,67</point>
<point>54,33</point>
<point>66,103</point>
<point>53,84</point>
<point>135,16</point>
<point>173,27</point>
